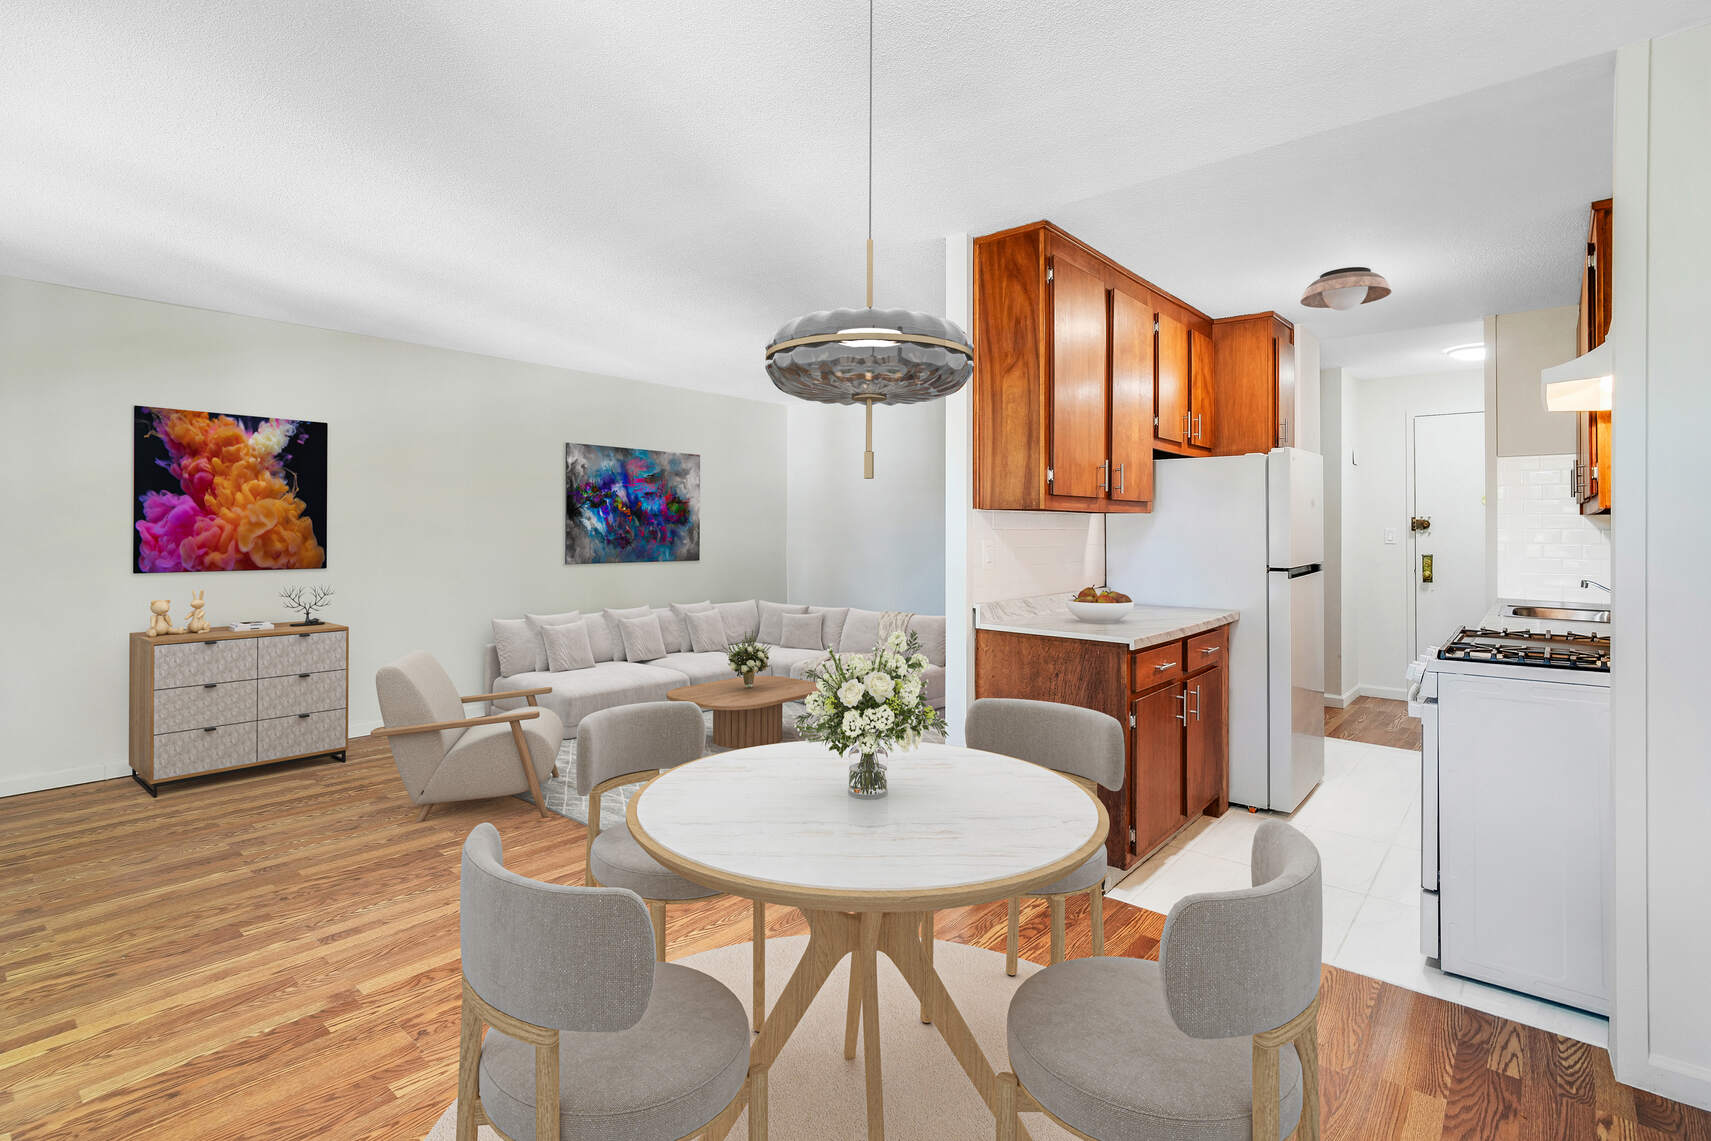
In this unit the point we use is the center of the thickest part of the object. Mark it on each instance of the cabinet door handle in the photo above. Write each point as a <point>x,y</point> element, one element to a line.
<point>209,684</point>
<point>1105,475</point>
<point>1120,479</point>
<point>1196,710</point>
<point>303,716</point>
<point>210,728</point>
<point>1183,715</point>
<point>1196,432</point>
<point>1162,666</point>
<point>302,675</point>
<point>1187,423</point>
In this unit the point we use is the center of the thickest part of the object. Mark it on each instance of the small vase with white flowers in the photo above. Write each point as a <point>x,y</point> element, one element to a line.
<point>869,705</point>
<point>748,659</point>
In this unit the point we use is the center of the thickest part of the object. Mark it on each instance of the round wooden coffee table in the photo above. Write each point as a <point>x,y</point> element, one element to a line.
<point>960,826</point>
<point>746,715</point>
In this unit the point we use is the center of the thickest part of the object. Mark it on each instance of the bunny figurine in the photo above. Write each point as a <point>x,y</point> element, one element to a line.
<point>197,623</point>
<point>160,622</point>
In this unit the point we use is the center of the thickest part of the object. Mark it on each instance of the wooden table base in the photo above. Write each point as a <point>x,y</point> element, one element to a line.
<point>833,935</point>
<point>741,728</point>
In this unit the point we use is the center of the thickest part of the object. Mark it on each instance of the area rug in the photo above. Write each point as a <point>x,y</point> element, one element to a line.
<point>812,1092</point>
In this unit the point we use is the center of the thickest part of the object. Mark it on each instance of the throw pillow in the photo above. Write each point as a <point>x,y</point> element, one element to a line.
<point>742,620</point>
<point>672,628</point>
<point>541,622</point>
<point>930,628</point>
<point>803,631</point>
<point>568,647</point>
<point>861,632</point>
<point>706,631</point>
<point>644,641</point>
<point>519,646</point>
<point>771,630</point>
<point>836,616</point>
<point>683,610</point>
<point>613,617</point>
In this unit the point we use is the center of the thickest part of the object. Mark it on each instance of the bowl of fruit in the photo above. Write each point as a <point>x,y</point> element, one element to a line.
<point>1101,604</point>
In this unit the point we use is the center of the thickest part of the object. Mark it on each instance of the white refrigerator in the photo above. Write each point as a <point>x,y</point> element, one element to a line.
<point>1245,533</point>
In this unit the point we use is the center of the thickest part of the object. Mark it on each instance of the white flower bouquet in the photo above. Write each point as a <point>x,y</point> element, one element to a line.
<point>869,704</point>
<point>748,659</point>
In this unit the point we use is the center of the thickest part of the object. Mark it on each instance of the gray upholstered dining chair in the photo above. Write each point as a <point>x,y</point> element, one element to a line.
<point>589,1037</point>
<point>1218,1039</point>
<point>633,743</point>
<point>444,756</point>
<point>1083,744</point>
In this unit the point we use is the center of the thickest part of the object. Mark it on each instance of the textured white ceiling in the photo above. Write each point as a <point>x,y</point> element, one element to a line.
<point>1403,352</point>
<point>649,189</point>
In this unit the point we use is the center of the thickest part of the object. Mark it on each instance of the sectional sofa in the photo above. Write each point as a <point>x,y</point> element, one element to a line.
<point>519,658</point>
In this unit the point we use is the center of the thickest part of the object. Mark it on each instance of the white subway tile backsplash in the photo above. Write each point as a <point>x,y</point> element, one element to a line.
<point>1544,545</point>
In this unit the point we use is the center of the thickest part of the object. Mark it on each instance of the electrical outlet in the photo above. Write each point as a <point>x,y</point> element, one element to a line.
<point>1390,536</point>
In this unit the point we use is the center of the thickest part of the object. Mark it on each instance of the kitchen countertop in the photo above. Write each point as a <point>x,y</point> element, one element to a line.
<point>1048,615</point>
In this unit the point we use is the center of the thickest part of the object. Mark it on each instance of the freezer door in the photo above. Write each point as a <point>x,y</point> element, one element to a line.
<point>1295,508</point>
<point>1296,690</point>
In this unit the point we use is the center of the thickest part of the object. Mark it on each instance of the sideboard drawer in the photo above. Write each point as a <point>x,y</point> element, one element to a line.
<point>300,693</point>
<point>303,733</point>
<point>203,750</point>
<point>1157,664</point>
<point>300,653</point>
<point>198,663</point>
<point>196,706</point>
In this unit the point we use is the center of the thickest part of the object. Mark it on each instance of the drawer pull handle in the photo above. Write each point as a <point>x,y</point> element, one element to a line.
<point>1209,649</point>
<point>1162,666</point>
<point>212,642</point>
<point>210,684</point>
<point>302,716</point>
<point>210,728</point>
<point>303,635</point>
<point>302,675</point>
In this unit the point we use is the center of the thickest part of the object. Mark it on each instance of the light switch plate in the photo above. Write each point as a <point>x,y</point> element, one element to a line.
<point>1390,536</point>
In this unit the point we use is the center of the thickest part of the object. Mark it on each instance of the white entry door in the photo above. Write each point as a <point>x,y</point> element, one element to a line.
<point>1449,554</point>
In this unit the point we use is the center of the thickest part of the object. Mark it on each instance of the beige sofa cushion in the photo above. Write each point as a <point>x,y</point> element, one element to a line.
<point>568,647</point>
<point>697,668</point>
<point>577,693</point>
<point>706,632</point>
<point>771,627</point>
<point>803,631</point>
<point>643,639</point>
<point>742,620</point>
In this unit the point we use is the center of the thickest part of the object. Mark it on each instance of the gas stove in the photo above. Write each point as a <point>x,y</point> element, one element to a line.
<point>1544,648</point>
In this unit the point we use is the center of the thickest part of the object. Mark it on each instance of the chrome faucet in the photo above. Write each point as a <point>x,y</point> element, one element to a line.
<point>1586,582</point>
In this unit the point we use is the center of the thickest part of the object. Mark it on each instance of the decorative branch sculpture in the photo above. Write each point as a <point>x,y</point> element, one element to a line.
<point>317,599</point>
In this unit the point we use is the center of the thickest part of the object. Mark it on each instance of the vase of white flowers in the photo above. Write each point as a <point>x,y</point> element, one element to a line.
<point>748,659</point>
<point>868,705</point>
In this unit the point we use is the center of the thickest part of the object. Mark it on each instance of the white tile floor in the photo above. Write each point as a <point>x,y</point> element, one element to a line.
<point>1365,820</point>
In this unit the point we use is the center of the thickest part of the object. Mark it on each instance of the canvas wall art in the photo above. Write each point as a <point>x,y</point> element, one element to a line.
<point>218,491</point>
<point>626,505</point>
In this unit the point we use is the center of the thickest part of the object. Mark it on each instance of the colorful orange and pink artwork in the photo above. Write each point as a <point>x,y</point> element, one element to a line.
<point>217,491</point>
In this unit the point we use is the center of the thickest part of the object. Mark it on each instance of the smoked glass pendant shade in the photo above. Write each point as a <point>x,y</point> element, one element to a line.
<point>885,356</point>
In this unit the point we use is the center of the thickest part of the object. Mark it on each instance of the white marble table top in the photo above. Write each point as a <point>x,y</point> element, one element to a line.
<point>1048,615</point>
<point>955,819</point>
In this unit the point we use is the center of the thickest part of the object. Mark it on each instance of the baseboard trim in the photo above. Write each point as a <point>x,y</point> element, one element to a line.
<point>64,778</point>
<point>1341,700</point>
<point>1388,693</point>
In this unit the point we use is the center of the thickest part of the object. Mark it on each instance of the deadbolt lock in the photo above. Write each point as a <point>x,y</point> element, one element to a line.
<point>1419,523</point>
<point>1425,568</point>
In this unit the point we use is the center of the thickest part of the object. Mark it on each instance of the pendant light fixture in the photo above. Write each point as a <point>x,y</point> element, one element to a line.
<point>869,356</point>
<point>1345,288</point>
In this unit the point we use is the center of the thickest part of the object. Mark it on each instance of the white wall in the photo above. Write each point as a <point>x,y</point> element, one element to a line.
<point>1660,720</point>
<point>875,543</point>
<point>1378,494</point>
<point>1519,346</point>
<point>1309,402</point>
<point>445,502</point>
<point>1337,439</point>
<point>1545,546</point>
<point>1016,554</point>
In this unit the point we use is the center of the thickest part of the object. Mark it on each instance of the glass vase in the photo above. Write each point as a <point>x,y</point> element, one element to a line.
<point>748,679</point>
<point>867,777</point>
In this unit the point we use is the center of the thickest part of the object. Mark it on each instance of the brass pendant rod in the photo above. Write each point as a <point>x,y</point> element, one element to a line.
<point>867,457</point>
<point>870,273</point>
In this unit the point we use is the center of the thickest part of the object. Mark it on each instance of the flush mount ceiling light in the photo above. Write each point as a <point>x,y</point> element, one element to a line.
<point>869,356</point>
<point>1345,288</point>
<point>1468,353</point>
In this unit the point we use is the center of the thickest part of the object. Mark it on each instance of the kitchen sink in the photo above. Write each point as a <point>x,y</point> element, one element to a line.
<point>1561,613</point>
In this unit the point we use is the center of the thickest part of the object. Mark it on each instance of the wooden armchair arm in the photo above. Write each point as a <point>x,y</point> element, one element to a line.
<point>531,694</point>
<point>465,723</point>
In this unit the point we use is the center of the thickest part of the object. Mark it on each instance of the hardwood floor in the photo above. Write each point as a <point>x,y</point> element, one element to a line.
<point>274,954</point>
<point>1376,721</point>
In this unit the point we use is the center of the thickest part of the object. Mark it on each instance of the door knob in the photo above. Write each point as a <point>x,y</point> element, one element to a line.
<point>1420,523</point>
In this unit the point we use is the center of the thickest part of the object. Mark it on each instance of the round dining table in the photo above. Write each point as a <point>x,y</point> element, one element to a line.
<point>776,824</point>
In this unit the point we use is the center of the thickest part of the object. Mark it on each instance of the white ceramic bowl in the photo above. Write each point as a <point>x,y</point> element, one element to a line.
<point>1100,612</point>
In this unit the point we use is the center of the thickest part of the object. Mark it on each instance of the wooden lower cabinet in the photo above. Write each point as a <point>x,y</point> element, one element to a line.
<point>1172,700</point>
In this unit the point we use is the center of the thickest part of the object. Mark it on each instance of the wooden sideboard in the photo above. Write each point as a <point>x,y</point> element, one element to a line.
<point>1172,700</point>
<point>230,699</point>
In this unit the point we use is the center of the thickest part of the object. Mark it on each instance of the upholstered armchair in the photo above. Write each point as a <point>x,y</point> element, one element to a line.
<point>572,1031</point>
<point>1083,744</point>
<point>1218,1039</point>
<point>444,756</point>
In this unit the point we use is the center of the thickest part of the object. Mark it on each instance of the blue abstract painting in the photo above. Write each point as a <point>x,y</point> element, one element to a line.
<point>626,505</point>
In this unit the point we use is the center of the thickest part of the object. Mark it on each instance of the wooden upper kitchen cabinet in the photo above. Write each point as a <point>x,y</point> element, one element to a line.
<point>1067,373</point>
<point>1254,372</point>
<point>1592,465</point>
